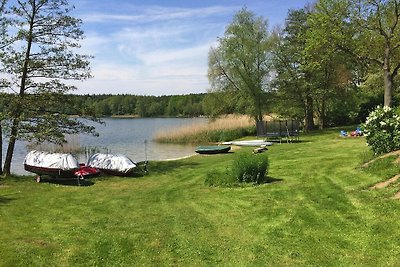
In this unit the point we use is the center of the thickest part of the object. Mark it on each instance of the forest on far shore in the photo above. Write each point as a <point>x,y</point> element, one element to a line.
<point>195,105</point>
<point>135,105</point>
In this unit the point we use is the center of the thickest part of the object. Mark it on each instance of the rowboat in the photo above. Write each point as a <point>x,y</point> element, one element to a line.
<point>248,143</point>
<point>212,149</point>
<point>116,165</point>
<point>55,165</point>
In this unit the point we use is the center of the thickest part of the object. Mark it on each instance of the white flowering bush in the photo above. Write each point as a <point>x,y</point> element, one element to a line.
<point>382,130</point>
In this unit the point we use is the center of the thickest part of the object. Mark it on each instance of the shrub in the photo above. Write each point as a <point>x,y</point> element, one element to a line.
<point>222,179</point>
<point>382,130</point>
<point>246,168</point>
<point>250,168</point>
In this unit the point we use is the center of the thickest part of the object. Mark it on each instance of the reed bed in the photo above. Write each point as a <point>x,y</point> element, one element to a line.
<point>224,128</point>
<point>71,146</point>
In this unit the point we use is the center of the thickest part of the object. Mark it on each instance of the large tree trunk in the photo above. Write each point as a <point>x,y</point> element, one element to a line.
<point>258,117</point>
<point>18,111</point>
<point>10,149</point>
<point>388,79</point>
<point>388,83</point>
<point>322,114</point>
<point>309,114</point>
<point>1,148</point>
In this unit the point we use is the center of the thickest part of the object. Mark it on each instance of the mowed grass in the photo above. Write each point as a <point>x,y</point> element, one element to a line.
<point>318,212</point>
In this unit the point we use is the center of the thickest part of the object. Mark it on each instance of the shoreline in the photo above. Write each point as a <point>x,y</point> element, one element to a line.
<point>180,158</point>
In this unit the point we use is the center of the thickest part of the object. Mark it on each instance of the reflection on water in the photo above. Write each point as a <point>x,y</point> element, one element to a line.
<point>132,137</point>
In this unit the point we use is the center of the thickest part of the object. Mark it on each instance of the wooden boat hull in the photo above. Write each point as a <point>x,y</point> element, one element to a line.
<point>52,172</point>
<point>116,172</point>
<point>212,149</point>
<point>82,172</point>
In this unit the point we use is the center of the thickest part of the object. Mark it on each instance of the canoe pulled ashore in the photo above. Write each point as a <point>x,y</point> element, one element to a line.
<point>248,143</point>
<point>212,149</point>
<point>117,165</point>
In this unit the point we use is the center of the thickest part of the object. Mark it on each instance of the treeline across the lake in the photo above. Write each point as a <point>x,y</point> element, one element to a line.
<point>136,105</point>
<point>192,105</point>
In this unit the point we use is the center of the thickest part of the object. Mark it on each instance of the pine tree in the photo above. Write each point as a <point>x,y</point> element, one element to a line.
<point>39,58</point>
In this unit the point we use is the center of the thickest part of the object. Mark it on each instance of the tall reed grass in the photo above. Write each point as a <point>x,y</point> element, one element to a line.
<point>225,128</point>
<point>72,146</point>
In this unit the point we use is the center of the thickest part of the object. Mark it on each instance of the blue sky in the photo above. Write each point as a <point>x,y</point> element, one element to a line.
<point>159,47</point>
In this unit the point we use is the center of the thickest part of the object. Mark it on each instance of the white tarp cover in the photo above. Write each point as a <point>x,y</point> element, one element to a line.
<point>60,161</point>
<point>117,162</point>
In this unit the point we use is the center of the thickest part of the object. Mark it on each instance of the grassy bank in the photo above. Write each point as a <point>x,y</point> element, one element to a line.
<point>319,211</point>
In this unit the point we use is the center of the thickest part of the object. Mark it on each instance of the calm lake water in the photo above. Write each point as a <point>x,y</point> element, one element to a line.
<point>125,136</point>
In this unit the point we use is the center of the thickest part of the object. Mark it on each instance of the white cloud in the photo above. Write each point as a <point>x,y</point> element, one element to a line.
<point>166,56</point>
<point>146,14</point>
<point>156,50</point>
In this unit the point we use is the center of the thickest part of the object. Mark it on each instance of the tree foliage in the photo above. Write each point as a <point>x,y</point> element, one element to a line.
<point>241,63</point>
<point>294,77</point>
<point>367,30</point>
<point>38,58</point>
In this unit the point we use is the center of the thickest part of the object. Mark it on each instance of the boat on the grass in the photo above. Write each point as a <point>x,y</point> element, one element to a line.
<point>117,165</point>
<point>212,149</point>
<point>86,171</point>
<point>55,165</point>
<point>248,143</point>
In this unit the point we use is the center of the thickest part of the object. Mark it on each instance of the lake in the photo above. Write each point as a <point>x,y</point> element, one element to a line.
<point>132,137</point>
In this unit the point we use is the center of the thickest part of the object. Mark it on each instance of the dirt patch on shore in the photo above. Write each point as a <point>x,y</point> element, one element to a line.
<point>391,180</point>
<point>397,196</point>
<point>394,153</point>
<point>385,183</point>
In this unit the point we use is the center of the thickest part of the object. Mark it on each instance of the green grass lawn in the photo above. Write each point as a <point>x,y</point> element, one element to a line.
<point>318,212</point>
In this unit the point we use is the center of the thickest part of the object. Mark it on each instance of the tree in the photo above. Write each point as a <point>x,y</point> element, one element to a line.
<point>39,58</point>
<point>295,77</point>
<point>2,82</point>
<point>312,80</point>
<point>367,30</point>
<point>241,63</point>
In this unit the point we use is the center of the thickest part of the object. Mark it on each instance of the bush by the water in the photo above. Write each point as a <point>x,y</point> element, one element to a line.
<point>382,130</point>
<point>246,168</point>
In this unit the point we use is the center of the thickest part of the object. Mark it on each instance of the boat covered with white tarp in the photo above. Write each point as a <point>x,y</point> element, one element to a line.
<point>249,143</point>
<point>117,164</point>
<point>53,164</point>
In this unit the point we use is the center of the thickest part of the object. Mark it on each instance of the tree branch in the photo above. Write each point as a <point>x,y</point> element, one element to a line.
<point>223,70</point>
<point>396,70</point>
<point>397,15</point>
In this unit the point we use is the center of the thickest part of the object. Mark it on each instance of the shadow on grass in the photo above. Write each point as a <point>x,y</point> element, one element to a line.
<point>271,180</point>
<point>67,182</point>
<point>162,167</point>
<point>5,200</point>
<point>277,142</point>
